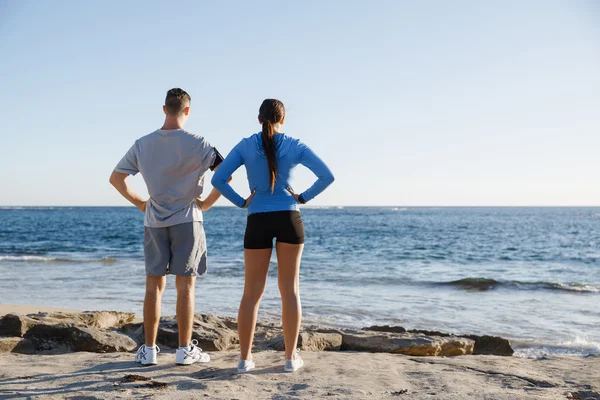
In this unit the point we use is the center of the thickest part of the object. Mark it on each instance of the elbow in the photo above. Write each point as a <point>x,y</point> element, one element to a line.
<point>216,181</point>
<point>113,179</point>
<point>330,179</point>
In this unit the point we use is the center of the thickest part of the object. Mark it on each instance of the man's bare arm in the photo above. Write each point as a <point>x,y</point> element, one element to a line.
<point>118,180</point>
<point>212,198</point>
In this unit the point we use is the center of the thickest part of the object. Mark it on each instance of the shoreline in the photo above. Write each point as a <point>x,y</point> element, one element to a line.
<point>56,353</point>
<point>521,349</point>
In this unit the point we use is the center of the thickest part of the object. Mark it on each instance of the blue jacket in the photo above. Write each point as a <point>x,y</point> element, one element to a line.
<point>290,152</point>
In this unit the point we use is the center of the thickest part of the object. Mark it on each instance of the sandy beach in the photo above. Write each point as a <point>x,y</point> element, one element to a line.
<point>56,374</point>
<point>343,375</point>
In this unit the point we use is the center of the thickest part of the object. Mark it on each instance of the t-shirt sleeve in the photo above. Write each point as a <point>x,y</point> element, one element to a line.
<point>211,158</point>
<point>129,162</point>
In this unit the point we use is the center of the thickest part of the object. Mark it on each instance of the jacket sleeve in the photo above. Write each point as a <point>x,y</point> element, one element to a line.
<point>324,176</point>
<point>219,180</point>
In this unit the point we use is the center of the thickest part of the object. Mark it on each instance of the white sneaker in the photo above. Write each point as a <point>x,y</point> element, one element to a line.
<point>245,366</point>
<point>295,363</point>
<point>191,355</point>
<point>147,355</point>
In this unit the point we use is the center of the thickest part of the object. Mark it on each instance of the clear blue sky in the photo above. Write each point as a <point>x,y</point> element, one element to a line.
<point>411,103</point>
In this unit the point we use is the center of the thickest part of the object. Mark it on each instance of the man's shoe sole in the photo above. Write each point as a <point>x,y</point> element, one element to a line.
<point>146,365</point>
<point>192,363</point>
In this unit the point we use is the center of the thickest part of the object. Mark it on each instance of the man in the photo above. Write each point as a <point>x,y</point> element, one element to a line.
<point>173,163</point>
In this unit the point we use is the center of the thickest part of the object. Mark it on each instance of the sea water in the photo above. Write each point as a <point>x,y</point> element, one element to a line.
<point>531,275</point>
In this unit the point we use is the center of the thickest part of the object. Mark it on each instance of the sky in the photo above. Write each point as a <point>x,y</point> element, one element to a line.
<point>429,103</point>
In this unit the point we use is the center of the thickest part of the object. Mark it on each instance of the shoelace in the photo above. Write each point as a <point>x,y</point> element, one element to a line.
<point>194,344</point>
<point>142,350</point>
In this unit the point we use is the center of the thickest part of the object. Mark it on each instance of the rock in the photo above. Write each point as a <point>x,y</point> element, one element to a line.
<point>78,338</point>
<point>15,325</point>
<point>385,328</point>
<point>312,341</point>
<point>320,341</point>
<point>211,332</point>
<point>456,346</point>
<point>431,333</point>
<point>108,319</point>
<point>229,322</point>
<point>134,331</point>
<point>406,343</point>
<point>266,334</point>
<point>96,319</point>
<point>16,345</point>
<point>491,345</point>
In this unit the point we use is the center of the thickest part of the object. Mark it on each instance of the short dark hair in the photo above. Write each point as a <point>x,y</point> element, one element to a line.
<point>177,100</point>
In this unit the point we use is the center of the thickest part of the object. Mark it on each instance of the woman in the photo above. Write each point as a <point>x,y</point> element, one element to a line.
<point>273,212</point>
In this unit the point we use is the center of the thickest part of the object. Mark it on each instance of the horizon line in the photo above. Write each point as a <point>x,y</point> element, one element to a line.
<point>326,206</point>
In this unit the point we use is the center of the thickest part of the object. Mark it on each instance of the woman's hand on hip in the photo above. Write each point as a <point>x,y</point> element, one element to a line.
<point>298,197</point>
<point>249,199</point>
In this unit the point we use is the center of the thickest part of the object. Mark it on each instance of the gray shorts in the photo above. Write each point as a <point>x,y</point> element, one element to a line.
<point>177,250</point>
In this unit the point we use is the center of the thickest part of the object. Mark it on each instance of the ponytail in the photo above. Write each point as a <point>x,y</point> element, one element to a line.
<point>270,150</point>
<point>271,112</point>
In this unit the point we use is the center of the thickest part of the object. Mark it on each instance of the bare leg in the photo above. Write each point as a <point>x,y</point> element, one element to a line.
<point>186,289</point>
<point>288,277</point>
<point>257,267</point>
<point>155,287</point>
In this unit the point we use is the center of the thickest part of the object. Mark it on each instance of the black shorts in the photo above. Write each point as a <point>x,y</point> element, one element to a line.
<point>285,226</point>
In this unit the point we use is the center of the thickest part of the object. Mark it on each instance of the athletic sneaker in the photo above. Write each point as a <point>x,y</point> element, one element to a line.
<point>245,366</point>
<point>147,355</point>
<point>191,354</point>
<point>295,363</point>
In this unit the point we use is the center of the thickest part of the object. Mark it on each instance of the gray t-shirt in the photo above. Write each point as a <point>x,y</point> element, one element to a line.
<point>173,164</point>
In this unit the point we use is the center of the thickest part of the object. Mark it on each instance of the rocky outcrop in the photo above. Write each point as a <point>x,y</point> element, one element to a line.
<point>211,332</point>
<point>109,331</point>
<point>93,331</point>
<point>491,345</point>
<point>385,328</point>
<point>411,344</point>
<point>95,319</point>
<point>483,345</point>
<point>68,336</point>
<point>15,325</point>
<point>312,340</point>
<point>16,345</point>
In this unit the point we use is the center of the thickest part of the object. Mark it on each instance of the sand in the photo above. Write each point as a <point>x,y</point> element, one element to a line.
<point>335,375</point>
<point>338,375</point>
<point>27,309</point>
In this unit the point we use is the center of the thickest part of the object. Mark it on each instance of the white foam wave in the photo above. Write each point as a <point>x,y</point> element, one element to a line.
<point>579,288</point>
<point>578,346</point>
<point>24,258</point>
<point>27,258</point>
<point>581,343</point>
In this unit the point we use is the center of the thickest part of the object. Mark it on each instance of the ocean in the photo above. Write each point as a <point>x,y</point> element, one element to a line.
<point>531,275</point>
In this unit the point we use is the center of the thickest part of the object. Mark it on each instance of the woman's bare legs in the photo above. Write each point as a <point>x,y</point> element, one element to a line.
<point>257,268</point>
<point>288,277</point>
